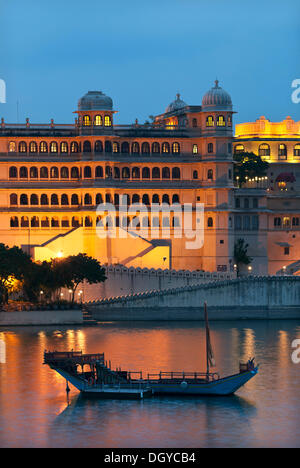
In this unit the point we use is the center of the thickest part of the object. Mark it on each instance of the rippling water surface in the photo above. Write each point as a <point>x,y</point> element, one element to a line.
<point>266,412</point>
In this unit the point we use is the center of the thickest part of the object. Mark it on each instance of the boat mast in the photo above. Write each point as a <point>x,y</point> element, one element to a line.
<point>207,340</point>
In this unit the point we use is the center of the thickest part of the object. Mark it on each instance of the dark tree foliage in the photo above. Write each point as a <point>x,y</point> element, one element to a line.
<point>248,165</point>
<point>14,263</point>
<point>241,253</point>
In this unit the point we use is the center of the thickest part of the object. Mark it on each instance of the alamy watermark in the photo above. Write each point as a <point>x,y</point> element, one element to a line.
<point>2,92</point>
<point>296,94</point>
<point>296,353</point>
<point>152,221</point>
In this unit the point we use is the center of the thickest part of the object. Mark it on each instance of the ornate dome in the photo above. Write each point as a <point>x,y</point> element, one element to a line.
<point>216,98</point>
<point>95,100</point>
<point>176,105</point>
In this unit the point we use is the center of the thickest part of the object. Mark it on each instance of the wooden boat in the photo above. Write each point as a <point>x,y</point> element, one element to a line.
<point>93,377</point>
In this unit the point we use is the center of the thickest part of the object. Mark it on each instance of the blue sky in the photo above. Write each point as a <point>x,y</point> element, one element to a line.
<point>142,53</point>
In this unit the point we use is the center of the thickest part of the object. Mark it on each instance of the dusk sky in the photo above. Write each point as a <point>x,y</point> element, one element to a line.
<point>142,53</point>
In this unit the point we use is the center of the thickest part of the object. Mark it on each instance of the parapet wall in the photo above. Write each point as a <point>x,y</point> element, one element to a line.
<point>242,298</point>
<point>123,281</point>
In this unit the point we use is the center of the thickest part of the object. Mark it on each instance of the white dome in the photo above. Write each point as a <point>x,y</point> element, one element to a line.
<point>216,98</point>
<point>95,100</point>
<point>176,105</point>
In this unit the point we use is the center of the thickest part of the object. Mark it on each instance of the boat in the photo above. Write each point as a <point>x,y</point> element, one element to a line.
<point>94,377</point>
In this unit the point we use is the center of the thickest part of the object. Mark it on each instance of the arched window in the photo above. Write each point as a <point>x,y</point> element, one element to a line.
<point>64,173</point>
<point>145,199</point>
<point>87,199</point>
<point>135,173</point>
<point>64,147</point>
<point>239,149</point>
<point>166,173</point>
<point>125,173</point>
<point>98,146</point>
<point>175,148</point>
<point>87,148</point>
<point>13,199</point>
<point>116,173</point>
<point>277,222</point>
<point>108,198</point>
<point>195,149</point>
<point>74,199</point>
<point>88,221</point>
<point>24,222</point>
<point>53,147</point>
<point>155,147</point>
<point>87,172</point>
<point>12,147</point>
<point>14,222</point>
<point>210,174</point>
<point>175,173</point>
<point>108,147</point>
<point>44,172</point>
<point>74,173</point>
<point>33,173</point>
<point>99,172</point>
<point>175,198</point>
<point>74,147</point>
<point>86,121</point>
<point>210,148</point>
<point>264,150</point>
<point>146,173</point>
<point>295,221</point>
<point>107,121</point>
<point>221,121</point>
<point>135,198</point>
<point>210,222</point>
<point>282,151</point>
<point>297,150</point>
<point>54,173</point>
<point>135,148</point>
<point>115,147</point>
<point>23,199</point>
<point>32,147</point>
<point>195,174</point>
<point>64,200</point>
<point>210,121</point>
<point>54,222</point>
<point>165,147</point>
<point>155,173</point>
<point>65,223</point>
<point>108,172</point>
<point>194,123</point>
<point>229,120</point>
<point>246,203</point>
<point>23,172</point>
<point>54,199</point>
<point>13,172</point>
<point>97,120</point>
<point>237,202</point>
<point>145,148</point>
<point>125,147</point>
<point>44,199</point>
<point>99,199</point>
<point>22,147</point>
<point>43,147</point>
<point>165,199</point>
<point>34,199</point>
<point>35,222</point>
<point>116,199</point>
<point>155,198</point>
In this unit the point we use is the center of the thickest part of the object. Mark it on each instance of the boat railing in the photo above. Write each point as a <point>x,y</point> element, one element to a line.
<point>183,375</point>
<point>76,356</point>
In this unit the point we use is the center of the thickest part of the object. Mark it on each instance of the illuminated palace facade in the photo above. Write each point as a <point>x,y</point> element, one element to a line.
<point>53,177</point>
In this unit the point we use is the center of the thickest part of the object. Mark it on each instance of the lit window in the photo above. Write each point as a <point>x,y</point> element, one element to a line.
<point>63,147</point>
<point>12,146</point>
<point>43,147</point>
<point>86,121</point>
<point>210,121</point>
<point>221,121</point>
<point>165,148</point>
<point>32,147</point>
<point>286,222</point>
<point>107,121</point>
<point>98,120</point>
<point>175,148</point>
<point>115,147</point>
<point>297,150</point>
<point>282,151</point>
<point>229,120</point>
<point>195,149</point>
<point>264,150</point>
<point>22,147</point>
<point>53,147</point>
<point>239,149</point>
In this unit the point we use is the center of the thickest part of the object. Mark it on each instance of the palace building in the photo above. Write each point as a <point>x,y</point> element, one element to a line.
<point>53,177</point>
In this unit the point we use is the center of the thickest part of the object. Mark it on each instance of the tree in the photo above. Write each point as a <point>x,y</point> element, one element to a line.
<point>248,165</point>
<point>78,268</point>
<point>241,253</point>
<point>14,263</point>
<point>41,276</point>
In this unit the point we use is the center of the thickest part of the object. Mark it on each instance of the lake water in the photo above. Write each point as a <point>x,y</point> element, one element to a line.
<point>265,413</point>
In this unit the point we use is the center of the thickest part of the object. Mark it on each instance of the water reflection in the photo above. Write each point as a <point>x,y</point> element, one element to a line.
<point>34,411</point>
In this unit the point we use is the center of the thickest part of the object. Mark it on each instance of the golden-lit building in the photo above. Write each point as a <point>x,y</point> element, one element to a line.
<point>53,177</point>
